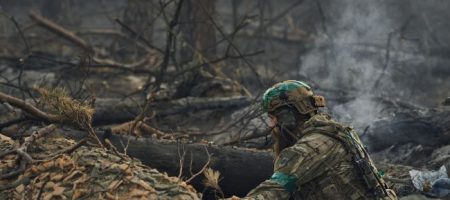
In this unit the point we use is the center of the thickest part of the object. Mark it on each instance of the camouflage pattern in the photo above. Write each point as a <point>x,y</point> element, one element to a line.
<point>87,173</point>
<point>319,166</point>
<point>294,93</point>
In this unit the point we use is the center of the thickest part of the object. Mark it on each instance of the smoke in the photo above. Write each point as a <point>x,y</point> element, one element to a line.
<point>341,61</point>
<point>336,58</point>
<point>381,49</point>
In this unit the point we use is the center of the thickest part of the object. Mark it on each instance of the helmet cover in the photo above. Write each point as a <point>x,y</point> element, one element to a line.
<point>292,93</point>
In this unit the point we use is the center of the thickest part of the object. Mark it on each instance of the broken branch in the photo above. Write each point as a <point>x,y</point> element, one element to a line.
<point>4,98</point>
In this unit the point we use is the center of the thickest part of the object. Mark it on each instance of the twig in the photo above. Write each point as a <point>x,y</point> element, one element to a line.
<point>240,119</point>
<point>204,166</point>
<point>14,121</point>
<point>365,131</point>
<point>169,40</point>
<point>113,148</point>
<point>90,130</point>
<point>27,46</point>
<point>216,61</point>
<point>72,37</point>
<point>139,118</point>
<point>386,60</point>
<point>181,157</point>
<point>41,190</point>
<point>163,67</point>
<point>138,36</point>
<point>101,63</point>
<point>279,16</point>
<point>51,26</point>
<point>249,64</point>
<point>25,158</point>
<point>143,127</point>
<point>65,151</point>
<point>36,135</point>
<point>28,49</point>
<point>22,61</point>
<point>22,167</point>
<point>322,16</point>
<point>25,180</point>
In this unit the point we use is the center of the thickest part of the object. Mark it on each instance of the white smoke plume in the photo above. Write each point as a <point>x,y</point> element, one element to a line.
<point>341,61</point>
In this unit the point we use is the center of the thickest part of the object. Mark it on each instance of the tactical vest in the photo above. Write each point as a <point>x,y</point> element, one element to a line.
<point>355,177</point>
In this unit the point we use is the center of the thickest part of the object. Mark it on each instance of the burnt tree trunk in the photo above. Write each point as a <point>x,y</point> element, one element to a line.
<point>108,111</point>
<point>116,110</point>
<point>427,128</point>
<point>197,29</point>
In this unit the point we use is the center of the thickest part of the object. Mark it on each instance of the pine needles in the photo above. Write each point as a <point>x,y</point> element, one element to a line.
<point>69,110</point>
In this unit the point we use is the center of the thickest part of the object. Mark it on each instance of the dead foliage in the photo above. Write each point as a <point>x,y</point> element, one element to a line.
<point>69,110</point>
<point>87,173</point>
<point>212,178</point>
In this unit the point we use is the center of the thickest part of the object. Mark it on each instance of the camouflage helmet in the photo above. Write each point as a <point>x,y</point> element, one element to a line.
<point>292,93</point>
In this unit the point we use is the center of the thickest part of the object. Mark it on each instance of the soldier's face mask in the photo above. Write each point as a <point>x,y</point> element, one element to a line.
<point>286,118</point>
<point>284,122</point>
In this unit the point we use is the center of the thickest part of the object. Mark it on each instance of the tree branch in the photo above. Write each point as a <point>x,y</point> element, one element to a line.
<point>4,98</point>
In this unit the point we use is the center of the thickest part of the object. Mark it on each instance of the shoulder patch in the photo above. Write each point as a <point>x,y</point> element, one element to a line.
<point>287,181</point>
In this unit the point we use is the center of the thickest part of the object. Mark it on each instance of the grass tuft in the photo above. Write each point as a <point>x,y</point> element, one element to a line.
<point>212,178</point>
<point>69,110</point>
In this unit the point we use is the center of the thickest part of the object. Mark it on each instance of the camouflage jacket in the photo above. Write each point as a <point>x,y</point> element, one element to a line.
<point>318,167</point>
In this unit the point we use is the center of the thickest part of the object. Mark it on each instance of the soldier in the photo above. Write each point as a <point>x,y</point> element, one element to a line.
<point>316,157</point>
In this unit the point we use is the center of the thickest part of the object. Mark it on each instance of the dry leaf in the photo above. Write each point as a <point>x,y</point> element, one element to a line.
<point>63,162</point>
<point>58,190</point>
<point>113,185</point>
<point>47,165</point>
<point>77,194</point>
<point>111,196</point>
<point>20,188</point>
<point>71,175</point>
<point>146,185</point>
<point>57,177</point>
<point>48,196</point>
<point>50,184</point>
<point>138,193</point>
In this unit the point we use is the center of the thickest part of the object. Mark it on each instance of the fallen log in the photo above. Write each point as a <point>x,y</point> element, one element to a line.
<point>411,137</point>
<point>117,110</point>
<point>427,128</point>
<point>241,169</point>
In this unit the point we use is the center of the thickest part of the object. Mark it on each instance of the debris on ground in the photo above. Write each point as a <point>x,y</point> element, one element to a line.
<point>86,173</point>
